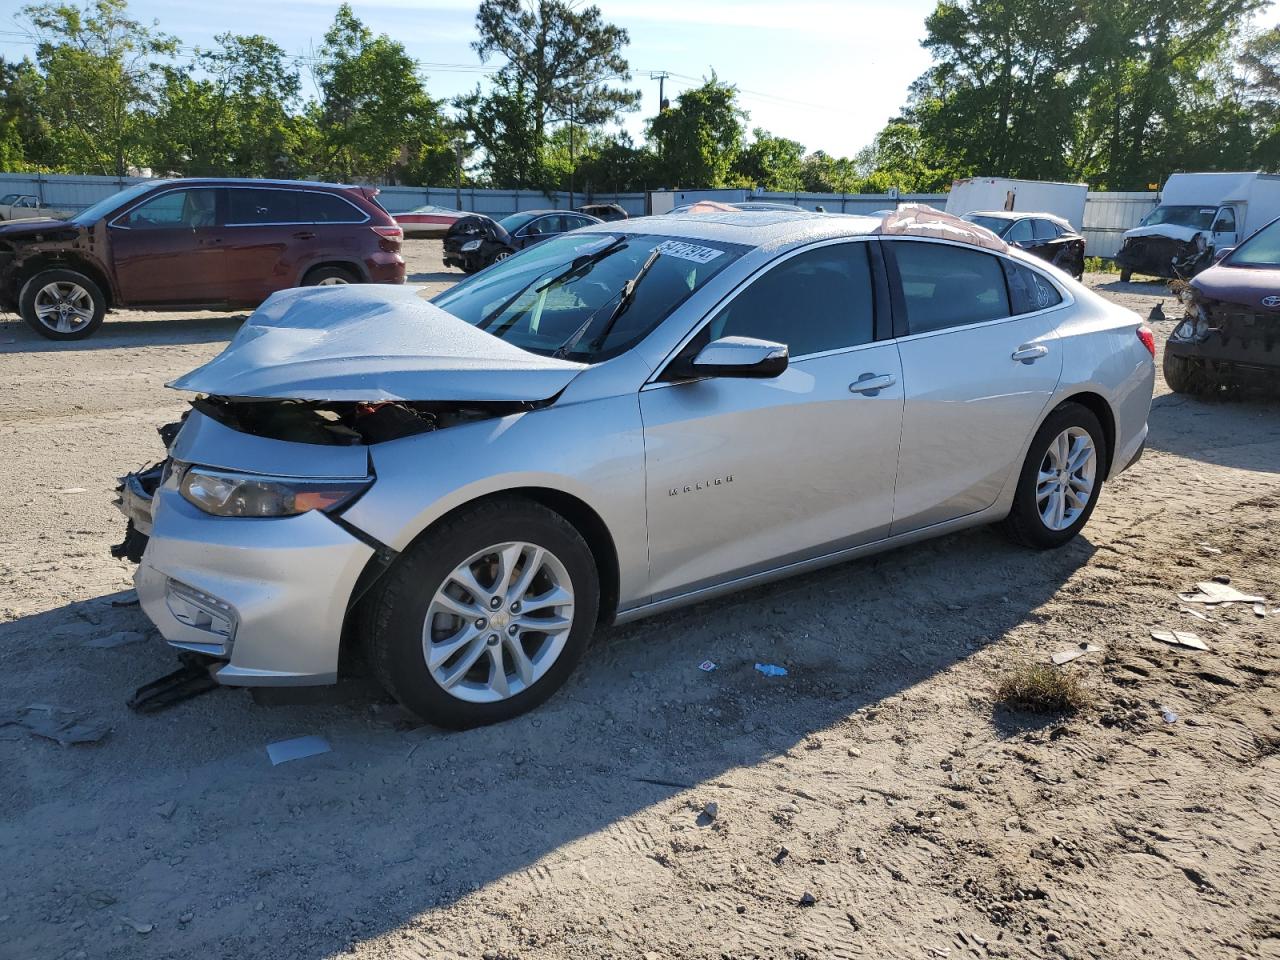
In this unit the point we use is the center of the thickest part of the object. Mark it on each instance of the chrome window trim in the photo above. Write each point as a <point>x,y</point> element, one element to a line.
<point>743,285</point>
<point>300,223</point>
<point>1067,298</point>
<point>113,222</point>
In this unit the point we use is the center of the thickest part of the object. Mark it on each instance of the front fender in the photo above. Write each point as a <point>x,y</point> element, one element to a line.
<point>593,451</point>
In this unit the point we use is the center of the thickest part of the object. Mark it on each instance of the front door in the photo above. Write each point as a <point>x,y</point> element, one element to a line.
<point>981,360</point>
<point>168,249</point>
<point>1225,229</point>
<point>747,475</point>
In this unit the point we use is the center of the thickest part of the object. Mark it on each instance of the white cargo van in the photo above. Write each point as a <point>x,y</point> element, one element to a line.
<point>1200,216</point>
<point>991,194</point>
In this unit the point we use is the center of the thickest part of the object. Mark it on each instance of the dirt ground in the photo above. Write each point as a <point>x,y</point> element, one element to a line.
<point>875,802</point>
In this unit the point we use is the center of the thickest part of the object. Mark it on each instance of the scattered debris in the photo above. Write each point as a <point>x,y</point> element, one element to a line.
<point>1209,549</point>
<point>166,809</point>
<point>1197,614</point>
<point>781,855</point>
<point>1221,578</point>
<point>193,678</point>
<point>185,918</point>
<point>711,810</point>
<point>1179,638</point>
<point>99,899</point>
<point>1215,591</point>
<point>771,670</point>
<point>138,925</point>
<point>1066,656</point>
<point>1260,609</point>
<point>121,639</point>
<point>807,899</point>
<point>52,723</point>
<point>706,666</point>
<point>1168,715</point>
<point>73,490</point>
<point>299,748</point>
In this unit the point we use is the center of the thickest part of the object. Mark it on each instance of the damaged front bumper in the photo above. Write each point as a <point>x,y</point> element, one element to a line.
<point>1226,336</point>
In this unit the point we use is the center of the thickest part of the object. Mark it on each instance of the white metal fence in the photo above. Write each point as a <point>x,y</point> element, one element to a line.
<point>1106,217</point>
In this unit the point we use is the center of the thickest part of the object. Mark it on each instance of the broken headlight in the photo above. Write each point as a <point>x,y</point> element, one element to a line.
<point>226,494</point>
<point>1193,327</point>
<point>469,246</point>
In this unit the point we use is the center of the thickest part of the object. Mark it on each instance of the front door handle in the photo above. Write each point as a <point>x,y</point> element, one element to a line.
<point>1030,352</point>
<point>304,235</point>
<point>872,383</point>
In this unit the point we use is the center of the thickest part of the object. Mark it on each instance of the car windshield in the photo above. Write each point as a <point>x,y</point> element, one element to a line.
<point>1198,218</point>
<point>997,225</point>
<point>515,221</point>
<point>565,296</point>
<point>10,198</point>
<point>1260,250</point>
<point>103,207</point>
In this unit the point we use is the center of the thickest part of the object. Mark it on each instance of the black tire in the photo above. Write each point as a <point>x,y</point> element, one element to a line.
<point>499,255</point>
<point>1126,275</point>
<point>1024,524</point>
<point>42,280</point>
<point>333,275</point>
<point>1187,376</point>
<point>394,613</point>
<point>470,267</point>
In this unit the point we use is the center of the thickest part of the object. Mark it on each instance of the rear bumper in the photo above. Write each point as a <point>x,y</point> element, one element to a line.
<point>268,596</point>
<point>383,267</point>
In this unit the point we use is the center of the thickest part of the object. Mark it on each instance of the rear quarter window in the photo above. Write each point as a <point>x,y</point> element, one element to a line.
<point>1028,290</point>
<point>314,207</point>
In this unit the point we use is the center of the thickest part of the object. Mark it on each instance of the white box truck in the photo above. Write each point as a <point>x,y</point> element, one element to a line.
<point>992,194</point>
<point>1200,217</point>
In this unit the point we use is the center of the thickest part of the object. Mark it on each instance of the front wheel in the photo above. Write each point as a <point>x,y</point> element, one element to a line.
<point>1186,376</point>
<point>62,304</point>
<point>1060,479</point>
<point>485,616</point>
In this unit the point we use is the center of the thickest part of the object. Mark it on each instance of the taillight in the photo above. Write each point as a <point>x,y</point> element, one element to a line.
<point>1148,339</point>
<point>390,237</point>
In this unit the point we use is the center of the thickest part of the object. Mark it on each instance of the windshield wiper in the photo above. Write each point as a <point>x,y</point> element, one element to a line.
<point>626,296</point>
<point>578,264</point>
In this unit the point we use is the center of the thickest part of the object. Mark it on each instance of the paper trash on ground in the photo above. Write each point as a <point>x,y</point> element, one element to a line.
<point>285,750</point>
<point>1066,656</point>
<point>1180,638</point>
<point>1211,592</point>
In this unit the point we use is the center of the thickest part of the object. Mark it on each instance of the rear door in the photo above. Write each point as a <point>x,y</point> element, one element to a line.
<point>168,248</point>
<point>539,229</point>
<point>980,362</point>
<point>744,475</point>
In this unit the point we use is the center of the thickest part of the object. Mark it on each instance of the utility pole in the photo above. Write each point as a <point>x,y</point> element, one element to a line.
<point>661,76</point>
<point>457,183</point>
<point>571,157</point>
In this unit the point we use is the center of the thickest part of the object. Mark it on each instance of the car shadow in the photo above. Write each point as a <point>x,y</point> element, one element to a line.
<point>1243,426</point>
<point>413,818</point>
<point>158,329</point>
<point>443,275</point>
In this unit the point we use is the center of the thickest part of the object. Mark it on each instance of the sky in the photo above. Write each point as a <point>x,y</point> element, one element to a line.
<point>828,73</point>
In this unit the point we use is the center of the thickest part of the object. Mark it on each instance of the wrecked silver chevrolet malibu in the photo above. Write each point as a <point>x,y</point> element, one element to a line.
<point>612,423</point>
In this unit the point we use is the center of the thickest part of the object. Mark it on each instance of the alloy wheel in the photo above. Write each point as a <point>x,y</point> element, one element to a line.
<point>498,622</point>
<point>333,282</point>
<point>1066,478</point>
<point>64,306</point>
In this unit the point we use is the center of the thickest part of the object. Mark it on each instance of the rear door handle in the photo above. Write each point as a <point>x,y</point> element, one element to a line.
<point>1030,352</point>
<point>304,235</point>
<point>872,383</point>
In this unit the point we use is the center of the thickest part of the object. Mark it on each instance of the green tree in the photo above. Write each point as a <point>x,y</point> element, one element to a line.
<point>900,158</point>
<point>772,163</point>
<point>100,71</point>
<point>699,139</point>
<point>229,113</point>
<point>375,118</point>
<point>23,135</point>
<point>563,60</point>
<point>1259,63</point>
<point>500,124</point>
<point>822,173</point>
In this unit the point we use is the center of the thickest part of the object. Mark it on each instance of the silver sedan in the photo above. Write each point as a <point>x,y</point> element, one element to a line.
<point>616,422</point>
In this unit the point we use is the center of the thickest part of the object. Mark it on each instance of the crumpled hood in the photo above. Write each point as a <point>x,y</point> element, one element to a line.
<point>1171,230</point>
<point>367,342</point>
<point>31,227</point>
<point>1242,285</point>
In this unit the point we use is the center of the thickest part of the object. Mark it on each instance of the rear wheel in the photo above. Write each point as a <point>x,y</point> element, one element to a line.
<point>329,277</point>
<point>62,304</point>
<point>1060,479</point>
<point>486,616</point>
<point>1126,276</point>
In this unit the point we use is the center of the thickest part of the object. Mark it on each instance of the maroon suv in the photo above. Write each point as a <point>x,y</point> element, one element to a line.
<point>193,243</point>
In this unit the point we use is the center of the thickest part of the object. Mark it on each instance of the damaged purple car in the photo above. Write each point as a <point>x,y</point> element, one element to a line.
<point>1231,334</point>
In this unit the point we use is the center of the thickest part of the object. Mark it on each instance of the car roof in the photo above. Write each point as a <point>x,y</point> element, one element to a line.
<point>751,228</point>
<point>255,182</point>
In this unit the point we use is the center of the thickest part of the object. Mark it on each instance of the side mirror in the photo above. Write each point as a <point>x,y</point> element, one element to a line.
<point>743,357</point>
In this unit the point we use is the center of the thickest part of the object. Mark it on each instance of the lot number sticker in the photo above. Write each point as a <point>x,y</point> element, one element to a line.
<point>688,251</point>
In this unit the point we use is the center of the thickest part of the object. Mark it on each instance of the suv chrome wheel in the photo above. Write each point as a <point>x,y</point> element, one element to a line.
<point>498,622</point>
<point>64,306</point>
<point>1066,479</point>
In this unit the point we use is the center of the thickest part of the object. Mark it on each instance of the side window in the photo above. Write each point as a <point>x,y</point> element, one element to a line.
<point>1226,222</point>
<point>1020,232</point>
<point>316,207</point>
<point>949,286</point>
<point>246,207</point>
<point>1045,229</point>
<point>175,209</point>
<point>817,300</point>
<point>546,226</point>
<point>1028,291</point>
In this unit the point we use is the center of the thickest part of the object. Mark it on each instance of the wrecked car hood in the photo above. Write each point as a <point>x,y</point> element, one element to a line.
<point>371,343</point>
<point>1243,285</point>
<point>32,227</point>
<point>1170,230</point>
